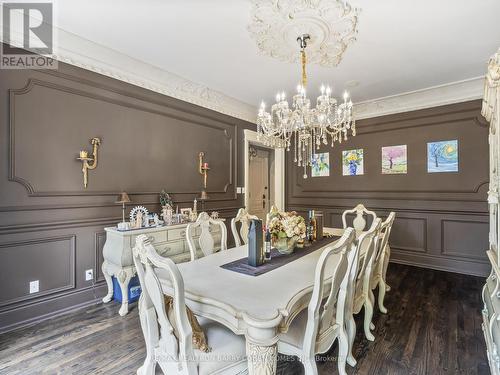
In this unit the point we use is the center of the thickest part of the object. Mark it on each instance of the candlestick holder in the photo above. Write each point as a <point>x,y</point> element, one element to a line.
<point>89,162</point>
<point>203,170</point>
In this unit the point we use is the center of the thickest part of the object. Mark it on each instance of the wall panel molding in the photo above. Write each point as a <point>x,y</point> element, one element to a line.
<point>47,293</point>
<point>229,132</point>
<point>441,218</point>
<point>149,142</point>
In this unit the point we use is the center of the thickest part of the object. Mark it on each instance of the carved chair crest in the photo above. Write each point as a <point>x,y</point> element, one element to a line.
<point>206,240</point>
<point>359,222</point>
<point>244,218</point>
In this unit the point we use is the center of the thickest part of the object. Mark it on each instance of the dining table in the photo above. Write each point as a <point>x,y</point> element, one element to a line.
<point>258,307</point>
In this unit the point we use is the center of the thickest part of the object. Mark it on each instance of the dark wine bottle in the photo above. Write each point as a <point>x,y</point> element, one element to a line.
<point>267,245</point>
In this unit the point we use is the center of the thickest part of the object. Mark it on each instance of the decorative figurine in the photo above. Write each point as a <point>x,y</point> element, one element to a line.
<point>138,216</point>
<point>214,215</point>
<point>165,199</point>
<point>138,219</point>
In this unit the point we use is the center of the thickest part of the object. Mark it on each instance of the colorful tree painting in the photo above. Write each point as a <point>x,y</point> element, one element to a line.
<point>352,162</point>
<point>394,159</point>
<point>442,156</point>
<point>320,165</point>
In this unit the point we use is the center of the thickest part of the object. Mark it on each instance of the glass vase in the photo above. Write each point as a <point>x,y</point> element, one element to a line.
<point>285,245</point>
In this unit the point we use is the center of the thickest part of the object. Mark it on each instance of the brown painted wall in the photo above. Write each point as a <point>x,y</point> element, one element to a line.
<point>51,229</point>
<point>442,218</point>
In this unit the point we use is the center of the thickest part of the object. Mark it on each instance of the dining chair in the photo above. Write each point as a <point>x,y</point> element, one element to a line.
<point>169,337</point>
<point>244,218</point>
<point>359,222</point>
<point>313,331</point>
<point>363,296</point>
<point>206,240</point>
<point>381,262</point>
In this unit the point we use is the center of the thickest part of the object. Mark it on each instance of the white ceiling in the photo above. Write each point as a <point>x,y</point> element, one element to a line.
<point>402,45</point>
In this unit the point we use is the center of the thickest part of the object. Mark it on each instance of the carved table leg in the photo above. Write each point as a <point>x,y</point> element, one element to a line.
<point>109,282</point>
<point>262,360</point>
<point>124,279</point>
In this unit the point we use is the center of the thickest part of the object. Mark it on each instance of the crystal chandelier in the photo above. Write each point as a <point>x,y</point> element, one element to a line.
<point>305,127</point>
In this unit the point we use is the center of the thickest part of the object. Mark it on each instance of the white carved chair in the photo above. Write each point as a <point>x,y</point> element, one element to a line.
<point>206,240</point>
<point>244,218</point>
<point>313,331</point>
<point>381,262</point>
<point>363,296</point>
<point>359,222</point>
<point>173,350</point>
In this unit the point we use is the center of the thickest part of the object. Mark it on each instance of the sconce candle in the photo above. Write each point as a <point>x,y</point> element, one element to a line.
<point>89,163</point>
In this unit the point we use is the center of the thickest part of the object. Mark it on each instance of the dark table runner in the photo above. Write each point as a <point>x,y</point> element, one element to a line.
<point>277,259</point>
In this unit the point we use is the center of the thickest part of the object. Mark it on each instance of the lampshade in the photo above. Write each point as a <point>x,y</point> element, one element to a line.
<point>123,198</point>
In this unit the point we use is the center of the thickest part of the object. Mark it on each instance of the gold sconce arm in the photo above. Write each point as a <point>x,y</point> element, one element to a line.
<point>89,162</point>
<point>203,169</point>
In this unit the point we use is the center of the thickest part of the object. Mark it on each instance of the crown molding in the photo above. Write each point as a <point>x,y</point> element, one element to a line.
<point>78,51</point>
<point>435,96</point>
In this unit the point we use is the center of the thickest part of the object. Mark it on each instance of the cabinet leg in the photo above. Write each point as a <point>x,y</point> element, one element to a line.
<point>109,282</point>
<point>124,279</point>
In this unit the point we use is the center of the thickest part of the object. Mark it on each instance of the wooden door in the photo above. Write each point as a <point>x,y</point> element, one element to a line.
<point>258,183</point>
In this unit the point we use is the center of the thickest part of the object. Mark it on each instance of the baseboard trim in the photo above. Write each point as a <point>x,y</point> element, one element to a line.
<point>99,290</point>
<point>437,267</point>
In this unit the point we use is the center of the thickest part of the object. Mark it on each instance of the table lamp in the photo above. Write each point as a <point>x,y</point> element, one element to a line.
<point>123,198</point>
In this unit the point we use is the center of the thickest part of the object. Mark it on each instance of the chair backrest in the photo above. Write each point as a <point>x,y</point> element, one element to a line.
<point>359,222</point>
<point>385,233</point>
<point>367,250</point>
<point>321,315</point>
<point>178,347</point>
<point>244,218</point>
<point>206,240</point>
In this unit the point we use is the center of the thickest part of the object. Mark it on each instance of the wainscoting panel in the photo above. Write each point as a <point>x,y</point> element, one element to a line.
<point>21,260</point>
<point>441,218</point>
<point>51,228</point>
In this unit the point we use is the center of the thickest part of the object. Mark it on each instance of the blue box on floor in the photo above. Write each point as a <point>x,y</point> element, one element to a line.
<point>134,290</point>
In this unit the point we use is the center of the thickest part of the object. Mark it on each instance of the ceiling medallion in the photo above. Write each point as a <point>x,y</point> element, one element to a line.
<point>331,24</point>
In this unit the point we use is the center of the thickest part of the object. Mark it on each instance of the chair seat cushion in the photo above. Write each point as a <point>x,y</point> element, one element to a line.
<point>295,334</point>
<point>228,350</point>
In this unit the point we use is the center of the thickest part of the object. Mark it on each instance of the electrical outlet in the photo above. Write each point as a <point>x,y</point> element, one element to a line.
<point>89,275</point>
<point>34,286</point>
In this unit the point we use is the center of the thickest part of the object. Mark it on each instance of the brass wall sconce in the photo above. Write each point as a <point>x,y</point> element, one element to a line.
<point>203,169</point>
<point>89,162</point>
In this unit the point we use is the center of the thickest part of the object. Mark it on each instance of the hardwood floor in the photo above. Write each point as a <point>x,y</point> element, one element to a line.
<point>433,327</point>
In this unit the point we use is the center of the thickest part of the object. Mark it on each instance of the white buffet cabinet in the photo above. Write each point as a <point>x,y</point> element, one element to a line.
<point>491,290</point>
<point>169,241</point>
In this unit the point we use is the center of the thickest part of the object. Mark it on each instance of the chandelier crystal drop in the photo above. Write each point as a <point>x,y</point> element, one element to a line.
<point>305,126</point>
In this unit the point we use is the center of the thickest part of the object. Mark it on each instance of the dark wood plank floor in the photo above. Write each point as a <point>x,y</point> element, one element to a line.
<point>433,327</point>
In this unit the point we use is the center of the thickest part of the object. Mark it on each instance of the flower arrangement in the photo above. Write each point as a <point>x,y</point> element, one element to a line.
<point>287,225</point>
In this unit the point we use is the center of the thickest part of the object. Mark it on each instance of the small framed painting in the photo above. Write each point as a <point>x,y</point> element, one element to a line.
<point>394,160</point>
<point>320,165</point>
<point>442,156</point>
<point>352,162</point>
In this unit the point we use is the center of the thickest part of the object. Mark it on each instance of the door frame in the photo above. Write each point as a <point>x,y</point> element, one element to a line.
<point>279,168</point>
